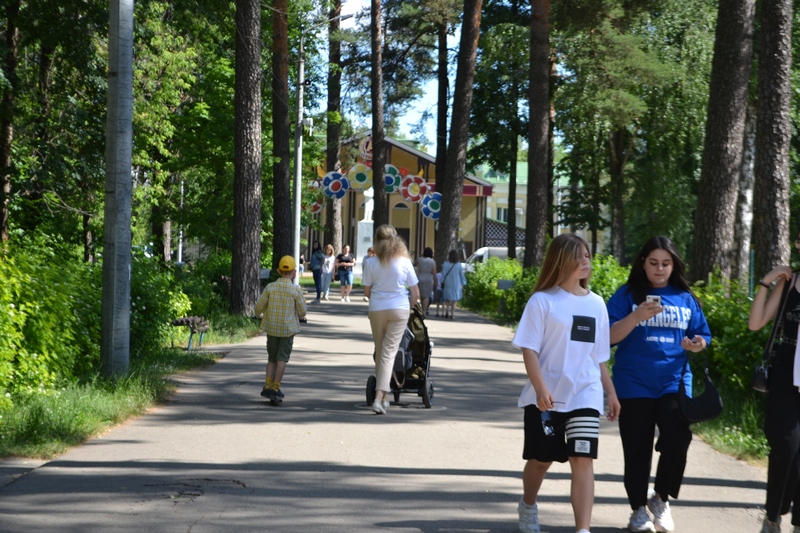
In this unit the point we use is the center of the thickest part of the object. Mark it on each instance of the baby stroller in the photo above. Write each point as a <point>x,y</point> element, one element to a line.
<point>412,364</point>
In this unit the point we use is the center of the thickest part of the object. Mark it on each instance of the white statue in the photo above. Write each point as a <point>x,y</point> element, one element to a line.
<point>368,194</point>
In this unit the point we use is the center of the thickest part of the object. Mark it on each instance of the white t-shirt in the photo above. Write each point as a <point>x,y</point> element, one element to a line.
<point>388,282</point>
<point>571,335</point>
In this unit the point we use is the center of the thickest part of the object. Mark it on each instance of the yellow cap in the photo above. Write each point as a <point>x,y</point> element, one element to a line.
<point>287,264</point>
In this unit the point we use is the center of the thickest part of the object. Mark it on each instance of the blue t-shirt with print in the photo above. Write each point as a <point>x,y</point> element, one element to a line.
<point>648,362</point>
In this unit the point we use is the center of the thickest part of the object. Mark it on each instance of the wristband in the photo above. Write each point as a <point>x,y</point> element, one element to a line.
<point>764,284</point>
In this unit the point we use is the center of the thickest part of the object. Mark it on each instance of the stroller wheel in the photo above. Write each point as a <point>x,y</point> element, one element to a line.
<point>427,393</point>
<point>371,383</point>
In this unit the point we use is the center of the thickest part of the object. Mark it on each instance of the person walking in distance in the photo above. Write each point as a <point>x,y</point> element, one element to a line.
<point>453,281</point>
<point>344,264</point>
<point>370,253</point>
<point>426,272</point>
<point>563,335</point>
<point>327,271</point>
<point>317,258</point>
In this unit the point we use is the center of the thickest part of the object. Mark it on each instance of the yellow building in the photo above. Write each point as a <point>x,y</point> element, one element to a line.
<point>417,230</point>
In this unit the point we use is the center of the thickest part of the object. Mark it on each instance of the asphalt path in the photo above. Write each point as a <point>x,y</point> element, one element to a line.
<point>218,457</point>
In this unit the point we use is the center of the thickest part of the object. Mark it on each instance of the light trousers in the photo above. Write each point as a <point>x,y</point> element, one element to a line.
<point>387,332</point>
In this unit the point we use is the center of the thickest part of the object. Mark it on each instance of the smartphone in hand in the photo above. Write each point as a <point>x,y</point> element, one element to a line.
<point>653,298</point>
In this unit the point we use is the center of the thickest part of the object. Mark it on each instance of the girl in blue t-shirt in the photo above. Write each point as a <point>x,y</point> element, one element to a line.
<point>655,318</point>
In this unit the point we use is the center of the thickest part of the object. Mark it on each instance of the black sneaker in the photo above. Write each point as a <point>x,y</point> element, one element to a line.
<point>265,392</point>
<point>275,399</point>
<point>279,394</point>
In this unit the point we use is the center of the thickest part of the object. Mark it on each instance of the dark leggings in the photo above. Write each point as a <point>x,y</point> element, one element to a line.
<point>782,429</point>
<point>637,423</point>
<point>318,281</point>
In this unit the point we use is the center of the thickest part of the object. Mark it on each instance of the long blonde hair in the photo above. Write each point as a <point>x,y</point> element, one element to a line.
<point>563,257</point>
<point>388,244</point>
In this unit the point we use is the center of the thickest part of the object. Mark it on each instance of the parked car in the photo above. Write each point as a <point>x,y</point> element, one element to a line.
<point>482,255</point>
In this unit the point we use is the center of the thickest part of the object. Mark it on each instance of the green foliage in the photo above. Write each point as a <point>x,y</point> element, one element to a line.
<point>734,349</point>
<point>50,322</point>
<point>204,282</point>
<point>50,309</point>
<point>607,275</point>
<point>155,302</point>
<point>481,291</point>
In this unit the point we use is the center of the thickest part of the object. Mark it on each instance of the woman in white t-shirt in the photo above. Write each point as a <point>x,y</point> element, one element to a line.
<point>385,278</point>
<point>327,271</point>
<point>564,338</point>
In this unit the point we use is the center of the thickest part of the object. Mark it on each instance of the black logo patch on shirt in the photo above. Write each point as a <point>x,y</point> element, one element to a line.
<point>583,328</point>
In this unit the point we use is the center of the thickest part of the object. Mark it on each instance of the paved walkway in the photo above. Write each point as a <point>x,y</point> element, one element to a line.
<point>218,457</point>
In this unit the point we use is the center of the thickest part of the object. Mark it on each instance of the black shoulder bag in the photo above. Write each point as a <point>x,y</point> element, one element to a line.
<point>707,406</point>
<point>761,373</point>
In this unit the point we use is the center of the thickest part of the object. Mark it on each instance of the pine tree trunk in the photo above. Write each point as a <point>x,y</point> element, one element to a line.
<point>333,151</point>
<point>511,234</point>
<point>538,135</point>
<point>246,263</point>
<point>282,227</point>
<point>452,189</point>
<point>773,135</point>
<point>744,202</point>
<point>11,14</point>
<point>441,120</point>
<point>713,243</point>
<point>380,211</point>
<point>619,148</point>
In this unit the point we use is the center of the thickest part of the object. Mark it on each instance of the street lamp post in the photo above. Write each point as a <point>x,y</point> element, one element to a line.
<point>298,143</point>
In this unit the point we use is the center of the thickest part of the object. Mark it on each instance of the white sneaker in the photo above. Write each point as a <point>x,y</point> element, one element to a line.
<point>346,298</point>
<point>365,299</point>
<point>662,516</point>
<point>583,531</point>
<point>325,297</point>
<point>640,520</point>
<point>528,517</point>
<point>385,405</point>
<point>773,527</point>
<point>378,408</point>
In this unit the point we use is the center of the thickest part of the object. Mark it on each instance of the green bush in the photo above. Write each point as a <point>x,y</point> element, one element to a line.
<point>734,349</point>
<point>607,275</point>
<point>156,301</point>
<point>50,314</point>
<point>203,283</point>
<point>517,298</point>
<point>481,292</point>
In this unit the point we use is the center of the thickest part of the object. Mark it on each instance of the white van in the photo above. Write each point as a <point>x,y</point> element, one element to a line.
<point>482,255</point>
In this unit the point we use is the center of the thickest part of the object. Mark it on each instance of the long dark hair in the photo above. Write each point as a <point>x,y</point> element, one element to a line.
<point>639,285</point>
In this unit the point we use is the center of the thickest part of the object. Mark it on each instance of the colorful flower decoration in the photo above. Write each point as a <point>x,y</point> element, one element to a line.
<point>414,188</point>
<point>316,206</point>
<point>360,176</point>
<point>365,147</point>
<point>432,205</point>
<point>391,175</point>
<point>335,184</point>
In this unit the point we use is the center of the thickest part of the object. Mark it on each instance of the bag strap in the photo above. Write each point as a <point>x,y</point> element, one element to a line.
<point>778,322</point>
<point>452,266</point>
<point>686,362</point>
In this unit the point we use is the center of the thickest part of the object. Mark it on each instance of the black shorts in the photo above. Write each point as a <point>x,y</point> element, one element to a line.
<point>576,435</point>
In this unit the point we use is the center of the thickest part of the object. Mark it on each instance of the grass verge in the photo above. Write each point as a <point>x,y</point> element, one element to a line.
<point>46,424</point>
